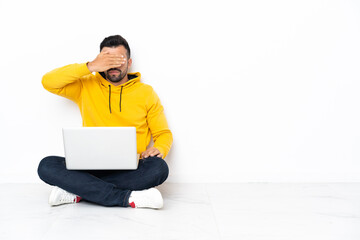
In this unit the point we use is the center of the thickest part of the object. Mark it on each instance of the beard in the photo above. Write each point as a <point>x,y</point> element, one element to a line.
<point>115,77</point>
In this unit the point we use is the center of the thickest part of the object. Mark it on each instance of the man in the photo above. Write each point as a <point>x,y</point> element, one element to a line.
<point>111,97</point>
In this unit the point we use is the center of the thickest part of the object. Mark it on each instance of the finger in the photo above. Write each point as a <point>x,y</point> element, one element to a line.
<point>122,61</point>
<point>115,55</point>
<point>118,56</point>
<point>154,151</point>
<point>158,154</point>
<point>116,63</point>
<point>117,60</point>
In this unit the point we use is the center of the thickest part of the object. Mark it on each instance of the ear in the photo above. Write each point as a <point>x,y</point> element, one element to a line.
<point>129,63</point>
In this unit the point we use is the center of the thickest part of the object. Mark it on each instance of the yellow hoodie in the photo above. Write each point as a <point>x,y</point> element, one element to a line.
<point>105,105</point>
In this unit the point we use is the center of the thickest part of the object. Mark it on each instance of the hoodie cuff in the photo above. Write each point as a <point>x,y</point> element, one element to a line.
<point>83,69</point>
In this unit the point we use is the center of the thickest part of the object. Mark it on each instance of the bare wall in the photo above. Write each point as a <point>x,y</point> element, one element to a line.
<point>254,91</point>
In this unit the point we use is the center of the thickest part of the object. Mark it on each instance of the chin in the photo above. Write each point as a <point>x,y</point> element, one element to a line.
<point>113,79</point>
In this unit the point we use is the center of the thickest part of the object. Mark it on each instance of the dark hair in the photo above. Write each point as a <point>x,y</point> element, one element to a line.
<point>115,41</point>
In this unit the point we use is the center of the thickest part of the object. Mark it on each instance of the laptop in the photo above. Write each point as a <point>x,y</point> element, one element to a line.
<point>100,148</point>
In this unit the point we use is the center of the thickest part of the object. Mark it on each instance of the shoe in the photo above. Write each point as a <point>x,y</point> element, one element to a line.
<point>59,196</point>
<point>149,198</point>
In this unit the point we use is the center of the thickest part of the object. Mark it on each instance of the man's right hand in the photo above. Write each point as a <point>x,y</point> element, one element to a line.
<point>106,60</point>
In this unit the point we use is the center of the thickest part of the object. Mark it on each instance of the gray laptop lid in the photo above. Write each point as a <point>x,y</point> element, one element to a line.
<point>100,148</point>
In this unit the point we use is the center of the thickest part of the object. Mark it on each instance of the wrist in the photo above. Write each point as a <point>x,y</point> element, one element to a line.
<point>90,67</point>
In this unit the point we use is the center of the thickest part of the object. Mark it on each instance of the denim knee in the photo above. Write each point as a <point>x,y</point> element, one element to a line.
<point>164,171</point>
<point>46,167</point>
<point>160,169</point>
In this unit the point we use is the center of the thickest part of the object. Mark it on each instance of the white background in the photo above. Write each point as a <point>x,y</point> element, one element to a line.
<point>254,91</point>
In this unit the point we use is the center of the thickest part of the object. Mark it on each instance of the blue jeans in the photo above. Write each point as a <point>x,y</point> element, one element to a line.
<point>104,187</point>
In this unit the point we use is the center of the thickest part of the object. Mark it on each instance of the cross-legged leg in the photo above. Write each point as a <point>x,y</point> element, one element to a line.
<point>108,188</point>
<point>151,172</point>
<point>52,170</point>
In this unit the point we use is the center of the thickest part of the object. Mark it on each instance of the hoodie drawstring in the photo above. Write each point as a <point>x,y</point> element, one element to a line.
<point>120,97</point>
<point>110,97</point>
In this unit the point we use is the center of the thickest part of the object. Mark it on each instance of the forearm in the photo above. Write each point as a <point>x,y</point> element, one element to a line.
<point>163,142</point>
<point>61,77</point>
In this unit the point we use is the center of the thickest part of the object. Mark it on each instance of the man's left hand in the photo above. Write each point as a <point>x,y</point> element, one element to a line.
<point>151,152</point>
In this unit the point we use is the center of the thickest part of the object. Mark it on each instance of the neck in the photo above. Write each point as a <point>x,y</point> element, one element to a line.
<point>124,80</point>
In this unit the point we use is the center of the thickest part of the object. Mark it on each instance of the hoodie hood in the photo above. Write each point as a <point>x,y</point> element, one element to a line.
<point>133,79</point>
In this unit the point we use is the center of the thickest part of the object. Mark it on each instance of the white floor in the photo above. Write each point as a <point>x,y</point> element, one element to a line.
<point>191,211</point>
